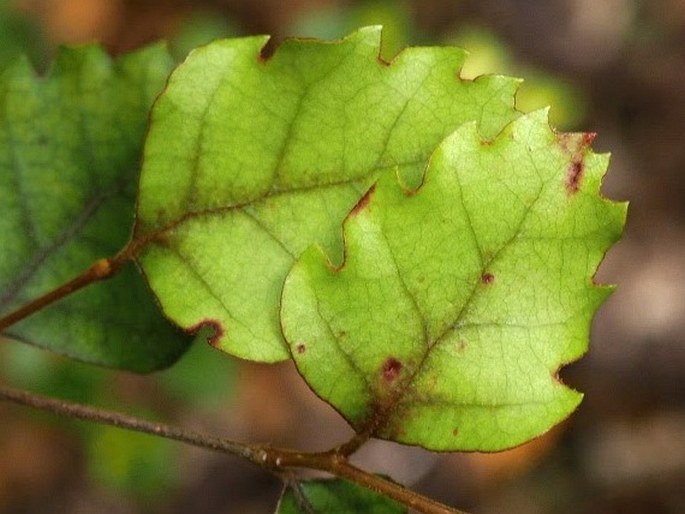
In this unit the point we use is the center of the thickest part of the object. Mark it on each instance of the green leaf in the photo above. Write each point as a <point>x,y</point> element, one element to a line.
<point>19,35</point>
<point>70,146</point>
<point>249,161</point>
<point>339,496</point>
<point>458,302</point>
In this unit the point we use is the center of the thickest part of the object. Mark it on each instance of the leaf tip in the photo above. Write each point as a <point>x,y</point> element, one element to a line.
<point>267,49</point>
<point>371,34</point>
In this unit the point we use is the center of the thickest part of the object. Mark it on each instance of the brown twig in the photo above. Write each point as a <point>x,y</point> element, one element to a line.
<point>275,460</point>
<point>100,270</point>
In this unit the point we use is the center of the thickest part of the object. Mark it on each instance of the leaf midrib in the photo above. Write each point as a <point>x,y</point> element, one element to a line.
<point>376,423</point>
<point>148,235</point>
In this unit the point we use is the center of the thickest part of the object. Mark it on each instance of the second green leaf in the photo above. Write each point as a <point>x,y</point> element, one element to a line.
<point>458,302</point>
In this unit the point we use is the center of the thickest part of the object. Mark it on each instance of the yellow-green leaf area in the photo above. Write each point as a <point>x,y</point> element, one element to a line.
<point>458,301</point>
<point>249,160</point>
<point>70,149</point>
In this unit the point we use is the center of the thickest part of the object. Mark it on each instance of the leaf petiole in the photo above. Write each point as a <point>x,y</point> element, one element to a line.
<point>101,269</point>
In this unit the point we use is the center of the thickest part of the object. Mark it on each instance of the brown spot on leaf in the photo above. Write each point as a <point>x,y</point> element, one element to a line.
<point>574,176</point>
<point>363,201</point>
<point>217,328</point>
<point>487,278</point>
<point>461,345</point>
<point>576,145</point>
<point>455,432</point>
<point>301,348</point>
<point>391,369</point>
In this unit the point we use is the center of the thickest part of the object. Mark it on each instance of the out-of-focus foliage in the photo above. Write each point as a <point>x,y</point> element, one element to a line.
<point>489,54</point>
<point>125,463</point>
<point>336,21</point>
<point>203,378</point>
<point>138,465</point>
<point>19,35</point>
<point>197,29</point>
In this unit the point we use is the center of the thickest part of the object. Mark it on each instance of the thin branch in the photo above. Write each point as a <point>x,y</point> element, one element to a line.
<point>275,460</point>
<point>100,270</point>
<point>338,465</point>
<point>104,417</point>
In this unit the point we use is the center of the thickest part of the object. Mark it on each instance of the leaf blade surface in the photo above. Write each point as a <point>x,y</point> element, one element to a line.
<point>249,161</point>
<point>458,302</point>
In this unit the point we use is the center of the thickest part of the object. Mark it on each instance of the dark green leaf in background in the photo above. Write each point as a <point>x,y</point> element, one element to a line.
<point>19,36</point>
<point>70,147</point>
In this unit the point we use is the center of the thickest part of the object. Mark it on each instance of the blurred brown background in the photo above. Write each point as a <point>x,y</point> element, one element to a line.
<point>615,67</point>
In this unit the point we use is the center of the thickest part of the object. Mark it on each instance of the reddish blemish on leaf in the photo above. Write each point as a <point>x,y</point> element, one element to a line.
<point>391,369</point>
<point>217,328</point>
<point>574,142</point>
<point>301,348</point>
<point>574,176</point>
<point>461,345</point>
<point>487,278</point>
<point>576,145</point>
<point>363,201</point>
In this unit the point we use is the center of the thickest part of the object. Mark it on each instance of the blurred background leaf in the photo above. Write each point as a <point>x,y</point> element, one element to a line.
<point>20,35</point>
<point>489,54</point>
<point>199,28</point>
<point>70,146</point>
<point>337,20</point>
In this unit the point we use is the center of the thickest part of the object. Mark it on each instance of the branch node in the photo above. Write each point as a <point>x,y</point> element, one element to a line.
<point>102,268</point>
